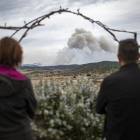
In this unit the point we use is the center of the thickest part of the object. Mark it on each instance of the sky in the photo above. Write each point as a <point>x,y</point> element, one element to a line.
<point>45,44</point>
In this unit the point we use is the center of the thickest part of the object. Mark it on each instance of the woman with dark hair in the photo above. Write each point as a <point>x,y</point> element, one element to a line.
<point>17,101</point>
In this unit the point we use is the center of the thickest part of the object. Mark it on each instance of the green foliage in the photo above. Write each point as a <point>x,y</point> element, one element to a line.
<point>103,63</point>
<point>92,69</point>
<point>68,111</point>
<point>104,69</point>
<point>35,72</point>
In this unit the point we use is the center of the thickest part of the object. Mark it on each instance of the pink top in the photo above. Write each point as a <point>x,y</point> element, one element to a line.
<point>10,71</point>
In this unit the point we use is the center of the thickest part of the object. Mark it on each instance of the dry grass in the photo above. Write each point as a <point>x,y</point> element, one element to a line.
<point>35,74</point>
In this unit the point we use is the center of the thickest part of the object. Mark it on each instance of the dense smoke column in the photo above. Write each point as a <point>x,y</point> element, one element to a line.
<point>84,47</point>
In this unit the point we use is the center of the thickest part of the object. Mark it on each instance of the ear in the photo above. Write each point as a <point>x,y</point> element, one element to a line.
<point>138,56</point>
<point>119,57</point>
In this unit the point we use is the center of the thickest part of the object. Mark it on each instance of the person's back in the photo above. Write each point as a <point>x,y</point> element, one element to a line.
<point>123,113</point>
<point>120,94</point>
<point>15,108</point>
<point>17,101</point>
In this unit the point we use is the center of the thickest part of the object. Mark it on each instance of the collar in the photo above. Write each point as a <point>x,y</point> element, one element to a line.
<point>11,71</point>
<point>130,65</point>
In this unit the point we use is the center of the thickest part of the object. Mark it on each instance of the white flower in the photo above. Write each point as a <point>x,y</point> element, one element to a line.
<point>85,78</point>
<point>80,105</point>
<point>91,115</point>
<point>74,104</point>
<point>85,120</point>
<point>51,112</point>
<point>46,112</point>
<point>64,123</point>
<point>57,114</point>
<point>53,131</point>
<point>83,129</point>
<point>69,127</point>
<point>51,121</point>
<point>49,129</point>
<point>59,123</point>
<point>48,83</point>
<point>47,96</point>
<point>87,124</point>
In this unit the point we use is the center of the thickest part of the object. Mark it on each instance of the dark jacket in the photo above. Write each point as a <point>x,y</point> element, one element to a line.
<point>120,93</point>
<point>17,107</point>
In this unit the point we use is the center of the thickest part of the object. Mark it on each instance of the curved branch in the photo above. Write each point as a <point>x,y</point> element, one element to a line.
<point>36,23</point>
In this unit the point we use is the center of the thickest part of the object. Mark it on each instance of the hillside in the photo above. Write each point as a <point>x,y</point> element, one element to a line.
<point>63,67</point>
<point>90,70</point>
<point>103,63</point>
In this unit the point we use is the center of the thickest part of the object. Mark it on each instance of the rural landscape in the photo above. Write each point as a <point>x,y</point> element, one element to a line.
<point>94,71</point>
<point>66,96</point>
<point>68,48</point>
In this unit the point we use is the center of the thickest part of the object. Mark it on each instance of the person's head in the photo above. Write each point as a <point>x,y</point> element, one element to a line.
<point>10,52</point>
<point>128,51</point>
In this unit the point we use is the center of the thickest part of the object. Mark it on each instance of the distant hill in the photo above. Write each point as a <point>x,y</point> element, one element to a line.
<point>62,66</point>
<point>103,63</point>
<point>90,69</point>
<point>31,65</point>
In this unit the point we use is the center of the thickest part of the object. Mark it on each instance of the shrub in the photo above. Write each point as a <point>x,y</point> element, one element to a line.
<point>69,113</point>
<point>88,74</point>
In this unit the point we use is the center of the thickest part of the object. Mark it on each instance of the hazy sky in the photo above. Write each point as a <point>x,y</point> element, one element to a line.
<point>42,43</point>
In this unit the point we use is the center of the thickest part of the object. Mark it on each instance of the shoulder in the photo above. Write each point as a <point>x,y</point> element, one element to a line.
<point>112,76</point>
<point>14,82</point>
<point>113,79</point>
<point>29,84</point>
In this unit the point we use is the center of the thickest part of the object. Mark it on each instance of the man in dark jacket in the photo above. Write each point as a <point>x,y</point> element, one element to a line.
<point>119,96</point>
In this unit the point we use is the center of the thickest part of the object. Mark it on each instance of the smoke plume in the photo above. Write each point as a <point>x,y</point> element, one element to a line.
<point>84,47</point>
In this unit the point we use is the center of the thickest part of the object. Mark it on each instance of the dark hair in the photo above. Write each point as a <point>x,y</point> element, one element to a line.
<point>128,50</point>
<point>10,52</point>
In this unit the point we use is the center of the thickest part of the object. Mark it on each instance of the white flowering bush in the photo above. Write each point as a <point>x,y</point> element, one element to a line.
<point>66,111</point>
